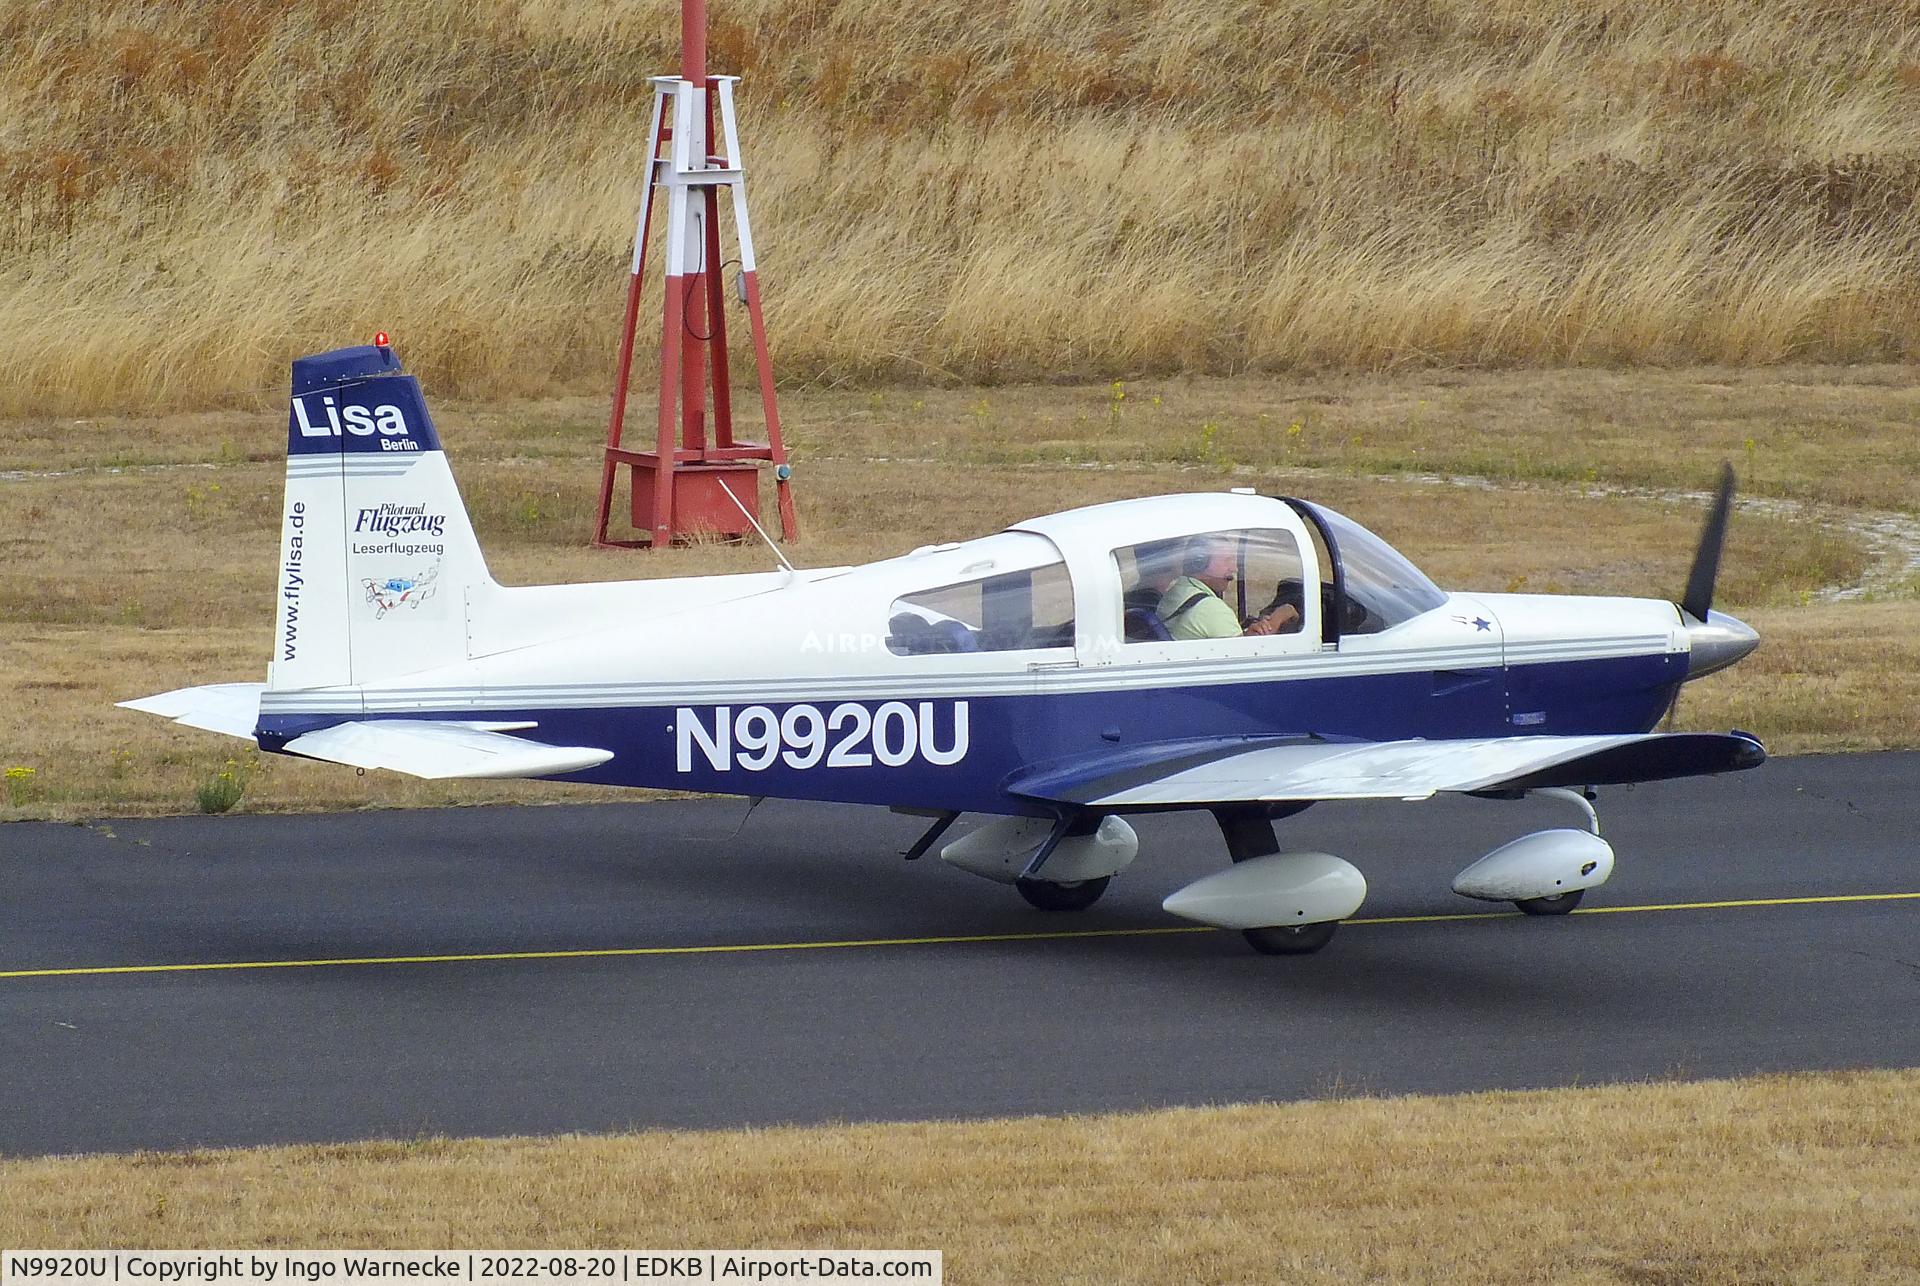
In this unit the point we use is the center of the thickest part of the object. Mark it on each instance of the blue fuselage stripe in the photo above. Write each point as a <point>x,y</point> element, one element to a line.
<point>789,749</point>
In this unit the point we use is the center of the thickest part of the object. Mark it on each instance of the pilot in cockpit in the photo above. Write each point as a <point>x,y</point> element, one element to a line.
<point>1194,606</point>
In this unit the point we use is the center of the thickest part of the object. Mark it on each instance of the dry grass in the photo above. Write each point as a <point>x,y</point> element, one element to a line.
<point>1830,677</point>
<point>1846,436</point>
<point>190,194</point>
<point>1793,1178</point>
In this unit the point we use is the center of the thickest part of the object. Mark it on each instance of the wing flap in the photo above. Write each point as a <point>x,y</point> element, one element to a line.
<point>1237,771</point>
<point>230,708</point>
<point>441,749</point>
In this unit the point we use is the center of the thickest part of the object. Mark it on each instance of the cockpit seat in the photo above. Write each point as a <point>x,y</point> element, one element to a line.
<point>913,635</point>
<point>1143,625</point>
<point>908,635</point>
<point>952,636</point>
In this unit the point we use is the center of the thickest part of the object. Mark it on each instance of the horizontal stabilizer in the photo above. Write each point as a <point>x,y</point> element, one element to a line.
<point>1226,770</point>
<point>442,749</point>
<point>231,708</point>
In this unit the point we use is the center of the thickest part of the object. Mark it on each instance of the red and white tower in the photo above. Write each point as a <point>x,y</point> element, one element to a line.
<point>689,485</point>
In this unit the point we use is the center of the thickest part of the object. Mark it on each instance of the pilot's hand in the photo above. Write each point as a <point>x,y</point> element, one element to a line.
<point>1279,620</point>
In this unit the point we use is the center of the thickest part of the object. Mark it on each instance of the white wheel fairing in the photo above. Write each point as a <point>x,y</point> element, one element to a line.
<point>1279,889</point>
<point>1544,864</point>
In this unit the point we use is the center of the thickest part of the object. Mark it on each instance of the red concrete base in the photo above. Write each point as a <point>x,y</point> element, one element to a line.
<point>701,508</point>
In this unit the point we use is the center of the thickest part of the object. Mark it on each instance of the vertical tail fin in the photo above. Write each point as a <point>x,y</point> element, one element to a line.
<point>377,557</point>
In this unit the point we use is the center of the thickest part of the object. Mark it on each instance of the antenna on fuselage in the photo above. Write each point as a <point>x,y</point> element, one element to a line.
<point>748,514</point>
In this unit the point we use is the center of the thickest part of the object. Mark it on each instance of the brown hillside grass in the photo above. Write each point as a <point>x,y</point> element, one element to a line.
<point>1806,1178</point>
<point>192,193</point>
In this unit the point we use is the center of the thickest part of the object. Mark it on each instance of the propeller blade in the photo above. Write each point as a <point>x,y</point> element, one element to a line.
<point>1698,600</point>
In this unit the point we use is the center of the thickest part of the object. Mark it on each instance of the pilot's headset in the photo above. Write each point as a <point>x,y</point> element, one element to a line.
<point>1197,554</point>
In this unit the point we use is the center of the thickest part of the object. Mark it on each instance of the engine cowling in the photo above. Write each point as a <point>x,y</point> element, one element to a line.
<point>1541,865</point>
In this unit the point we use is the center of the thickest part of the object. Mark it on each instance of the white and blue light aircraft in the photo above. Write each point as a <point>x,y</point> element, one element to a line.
<point>1039,675</point>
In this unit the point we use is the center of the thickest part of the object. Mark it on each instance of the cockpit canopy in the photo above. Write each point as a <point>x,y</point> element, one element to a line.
<point>1168,570</point>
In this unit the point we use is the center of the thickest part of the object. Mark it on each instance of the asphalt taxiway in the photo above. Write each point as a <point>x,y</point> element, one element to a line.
<point>221,981</point>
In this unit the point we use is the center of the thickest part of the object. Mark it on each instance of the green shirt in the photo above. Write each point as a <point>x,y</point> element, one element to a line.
<point>1208,618</point>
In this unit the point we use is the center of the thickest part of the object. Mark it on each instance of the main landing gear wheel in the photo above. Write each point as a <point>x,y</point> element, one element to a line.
<point>1075,896</point>
<point>1558,904</point>
<point>1291,939</point>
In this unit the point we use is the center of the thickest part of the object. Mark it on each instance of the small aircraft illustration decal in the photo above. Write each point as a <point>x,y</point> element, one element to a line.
<point>395,592</point>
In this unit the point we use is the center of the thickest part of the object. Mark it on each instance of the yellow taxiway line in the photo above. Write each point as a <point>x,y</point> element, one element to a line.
<point>734,948</point>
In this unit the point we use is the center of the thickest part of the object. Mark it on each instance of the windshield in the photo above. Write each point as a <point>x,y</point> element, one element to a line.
<point>1383,588</point>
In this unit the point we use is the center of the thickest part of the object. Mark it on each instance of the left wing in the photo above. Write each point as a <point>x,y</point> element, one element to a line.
<point>1224,770</point>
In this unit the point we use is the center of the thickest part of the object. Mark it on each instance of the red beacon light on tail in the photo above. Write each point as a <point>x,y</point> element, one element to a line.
<point>380,339</point>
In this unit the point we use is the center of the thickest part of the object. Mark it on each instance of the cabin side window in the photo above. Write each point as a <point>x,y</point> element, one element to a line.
<point>1008,612</point>
<point>1217,584</point>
